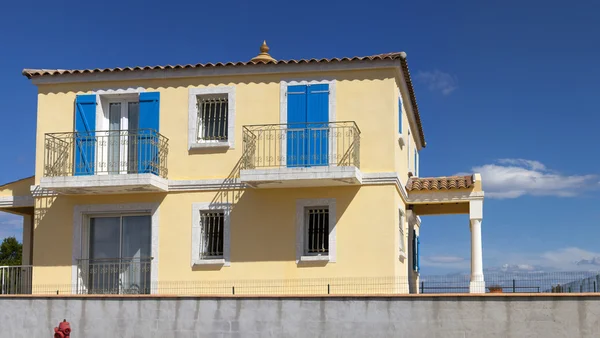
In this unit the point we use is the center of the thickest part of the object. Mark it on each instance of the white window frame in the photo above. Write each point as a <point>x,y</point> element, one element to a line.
<point>197,234</point>
<point>401,233</point>
<point>193,93</point>
<point>283,113</point>
<point>401,113</point>
<point>81,215</point>
<point>103,99</point>
<point>301,206</point>
<point>416,162</point>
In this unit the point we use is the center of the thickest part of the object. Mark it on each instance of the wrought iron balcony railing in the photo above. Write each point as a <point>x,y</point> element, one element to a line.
<point>15,280</point>
<point>301,145</point>
<point>106,152</point>
<point>114,276</point>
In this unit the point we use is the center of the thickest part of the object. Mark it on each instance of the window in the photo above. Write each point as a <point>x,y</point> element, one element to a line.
<point>408,151</point>
<point>212,224</point>
<point>211,117</point>
<point>400,114</point>
<point>210,234</point>
<point>122,147</point>
<point>119,255</point>
<point>416,163</point>
<point>315,230</point>
<point>401,247</point>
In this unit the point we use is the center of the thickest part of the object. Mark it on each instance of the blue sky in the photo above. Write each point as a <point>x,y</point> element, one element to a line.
<point>506,89</point>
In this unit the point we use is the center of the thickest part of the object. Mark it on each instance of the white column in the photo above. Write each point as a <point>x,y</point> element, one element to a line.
<point>477,284</point>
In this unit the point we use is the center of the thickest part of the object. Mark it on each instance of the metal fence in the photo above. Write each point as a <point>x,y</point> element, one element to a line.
<point>114,276</point>
<point>523,282</point>
<point>133,277</point>
<point>15,279</point>
<point>301,145</point>
<point>105,152</point>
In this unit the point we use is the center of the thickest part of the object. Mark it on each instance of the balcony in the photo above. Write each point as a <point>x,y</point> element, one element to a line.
<point>114,276</point>
<point>15,280</point>
<point>301,155</point>
<point>105,162</point>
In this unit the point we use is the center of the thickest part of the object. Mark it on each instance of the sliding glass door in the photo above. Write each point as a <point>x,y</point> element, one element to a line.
<point>119,254</point>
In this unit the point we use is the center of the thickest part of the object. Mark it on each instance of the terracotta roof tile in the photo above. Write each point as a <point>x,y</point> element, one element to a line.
<point>36,73</point>
<point>439,183</point>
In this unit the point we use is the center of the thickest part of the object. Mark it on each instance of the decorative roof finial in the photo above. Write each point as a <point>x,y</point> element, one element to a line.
<point>264,54</point>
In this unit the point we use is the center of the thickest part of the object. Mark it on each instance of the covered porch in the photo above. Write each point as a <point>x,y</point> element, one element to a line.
<point>453,195</point>
<point>16,199</point>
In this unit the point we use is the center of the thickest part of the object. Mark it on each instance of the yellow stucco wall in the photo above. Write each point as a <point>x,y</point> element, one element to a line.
<point>404,155</point>
<point>366,97</point>
<point>263,221</point>
<point>21,187</point>
<point>263,234</point>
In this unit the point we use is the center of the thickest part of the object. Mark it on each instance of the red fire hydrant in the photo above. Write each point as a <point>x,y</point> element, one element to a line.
<point>63,330</point>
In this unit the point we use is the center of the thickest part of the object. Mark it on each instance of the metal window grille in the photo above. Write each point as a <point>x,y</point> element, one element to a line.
<point>401,232</point>
<point>213,224</point>
<point>317,230</point>
<point>212,118</point>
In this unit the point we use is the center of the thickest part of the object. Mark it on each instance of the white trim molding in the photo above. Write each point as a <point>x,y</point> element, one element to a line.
<point>446,196</point>
<point>197,233</point>
<point>301,205</point>
<point>81,215</point>
<point>193,93</point>
<point>105,184</point>
<point>16,201</point>
<point>402,232</point>
<point>207,71</point>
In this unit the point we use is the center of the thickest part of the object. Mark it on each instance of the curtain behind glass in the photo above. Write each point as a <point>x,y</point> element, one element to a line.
<point>114,149</point>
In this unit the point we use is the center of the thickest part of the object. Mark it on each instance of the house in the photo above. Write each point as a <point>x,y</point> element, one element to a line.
<point>149,178</point>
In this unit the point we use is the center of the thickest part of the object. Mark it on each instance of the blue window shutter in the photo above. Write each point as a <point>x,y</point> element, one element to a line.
<point>415,253</point>
<point>317,118</point>
<point>296,119</point>
<point>400,115</point>
<point>85,130</point>
<point>418,254</point>
<point>148,134</point>
<point>149,110</point>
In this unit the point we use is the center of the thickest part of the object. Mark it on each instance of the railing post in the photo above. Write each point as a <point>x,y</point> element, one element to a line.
<point>422,287</point>
<point>233,290</point>
<point>328,289</point>
<point>514,286</point>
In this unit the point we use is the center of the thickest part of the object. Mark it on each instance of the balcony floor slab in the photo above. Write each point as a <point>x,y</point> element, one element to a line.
<point>301,177</point>
<point>105,184</point>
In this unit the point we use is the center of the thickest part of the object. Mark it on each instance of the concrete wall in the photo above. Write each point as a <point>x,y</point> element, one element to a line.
<point>448,317</point>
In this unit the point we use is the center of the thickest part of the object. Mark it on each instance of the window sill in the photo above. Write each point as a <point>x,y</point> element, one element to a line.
<point>402,255</point>
<point>401,140</point>
<point>207,262</point>
<point>317,258</point>
<point>210,145</point>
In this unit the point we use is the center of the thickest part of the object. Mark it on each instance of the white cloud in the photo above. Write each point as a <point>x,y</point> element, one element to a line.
<point>445,262</point>
<point>445,259</point>
<point>438,81</point>
<point>512,178</point>
<point>11,225</point>
<point>564,259</point>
